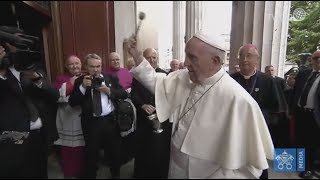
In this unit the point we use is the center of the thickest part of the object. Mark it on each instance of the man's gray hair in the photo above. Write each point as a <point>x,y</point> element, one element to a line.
<point>92,56</point>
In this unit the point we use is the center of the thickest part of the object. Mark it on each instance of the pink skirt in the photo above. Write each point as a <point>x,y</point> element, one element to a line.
<point>72,161</point>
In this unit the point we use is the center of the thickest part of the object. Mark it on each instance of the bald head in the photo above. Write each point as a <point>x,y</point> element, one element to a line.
<point>174,64</point>
<point>73,65</point>
<point>315,60</point>
<point>114,59</point>
<point>151,56</point>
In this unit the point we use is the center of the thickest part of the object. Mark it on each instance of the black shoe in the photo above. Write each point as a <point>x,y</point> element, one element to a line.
<point>306,175</point>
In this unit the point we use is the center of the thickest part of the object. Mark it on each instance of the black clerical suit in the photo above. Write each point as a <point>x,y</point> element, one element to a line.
<point>264,90</point>
<point>27,160</point>
<point>307,130</point>
<point>152,150</point>
<point>281,118</point>
<point>99,130</point>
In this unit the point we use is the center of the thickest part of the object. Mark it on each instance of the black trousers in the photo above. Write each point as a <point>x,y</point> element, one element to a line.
<point>264,174</point>
<point>152,153</point>
<point>307,135</point>
<point>103,131</point>
<point>27,160</point>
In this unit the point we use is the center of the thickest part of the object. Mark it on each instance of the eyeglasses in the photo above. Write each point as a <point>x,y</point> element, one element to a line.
<point>114,60</point>
<point>316,58</point>
<point>247,56</point>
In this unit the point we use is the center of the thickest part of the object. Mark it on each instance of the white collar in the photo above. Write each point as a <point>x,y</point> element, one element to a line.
<point>248,77</point>
<point>213,79</point>
<point>15,73</point>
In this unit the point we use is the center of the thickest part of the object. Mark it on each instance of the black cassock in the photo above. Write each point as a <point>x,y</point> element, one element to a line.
<point>268,95</point>
<point>152,151</point>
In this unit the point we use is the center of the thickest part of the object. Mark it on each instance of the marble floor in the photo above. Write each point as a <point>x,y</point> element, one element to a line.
<point>55,172</point>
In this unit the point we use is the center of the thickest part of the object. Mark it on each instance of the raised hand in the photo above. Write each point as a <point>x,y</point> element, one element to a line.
<point>134,50</point>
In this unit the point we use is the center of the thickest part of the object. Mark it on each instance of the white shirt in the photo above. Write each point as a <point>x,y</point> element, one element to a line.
<point>107,106</point>
<point>312,93</point>
<point>33,125</point>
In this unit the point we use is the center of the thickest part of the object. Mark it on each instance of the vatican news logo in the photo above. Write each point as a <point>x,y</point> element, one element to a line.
<point>286,159</point>
<point>298,14</point>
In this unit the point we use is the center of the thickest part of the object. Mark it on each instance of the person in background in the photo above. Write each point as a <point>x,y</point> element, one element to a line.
<point>174,65</point>
<point>152,149</point>
<point>124,76</point>
<point>68,122</point>
<point>307,114</point>
<point>181,65</point>
<point>281,117</point>
<point>288,93</point>
<point>237,68</point>
<point>97,94</point>
<point>130,64</point>
<point>27,105</point>
<point>260,86</point>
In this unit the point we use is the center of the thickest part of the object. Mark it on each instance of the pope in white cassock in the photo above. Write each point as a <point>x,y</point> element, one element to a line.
<point>218,129</point>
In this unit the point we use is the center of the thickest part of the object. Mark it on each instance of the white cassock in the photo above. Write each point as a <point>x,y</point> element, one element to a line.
<point>68,122</point>
<point>224,135</point>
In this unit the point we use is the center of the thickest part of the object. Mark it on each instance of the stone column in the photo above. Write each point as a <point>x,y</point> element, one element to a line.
<point>265,24</point>
<point>194,14</point>
<point>179,29</point>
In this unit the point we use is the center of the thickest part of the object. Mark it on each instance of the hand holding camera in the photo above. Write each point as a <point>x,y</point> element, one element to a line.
<point>104,89</point>
<point>87,81</point>
<point>95,82</point>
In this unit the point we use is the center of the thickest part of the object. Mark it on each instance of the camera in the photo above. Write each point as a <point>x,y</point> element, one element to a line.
<point>97,82</point>
<point>24,57</point>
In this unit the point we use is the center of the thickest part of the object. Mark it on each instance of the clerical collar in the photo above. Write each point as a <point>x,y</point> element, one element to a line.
<point>213,79</point>
<point>248,77</point>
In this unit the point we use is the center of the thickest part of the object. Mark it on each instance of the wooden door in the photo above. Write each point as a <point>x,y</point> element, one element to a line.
<point>87,27</point>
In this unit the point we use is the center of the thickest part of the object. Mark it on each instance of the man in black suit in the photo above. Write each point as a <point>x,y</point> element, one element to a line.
<point>260,86</point>
<point>152,149</point>
<point>307,113</point>
<point>281,83</point>
<point>26,105</point>
<point>281,118</point>
<point>97,95</point>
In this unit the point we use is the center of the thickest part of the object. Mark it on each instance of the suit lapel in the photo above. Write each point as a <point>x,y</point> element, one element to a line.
<point>14,84</point>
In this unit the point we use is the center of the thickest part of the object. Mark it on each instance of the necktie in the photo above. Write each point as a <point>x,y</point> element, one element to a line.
<point>305,92</point>
<point>34,113</point>
<point>97,107</point>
